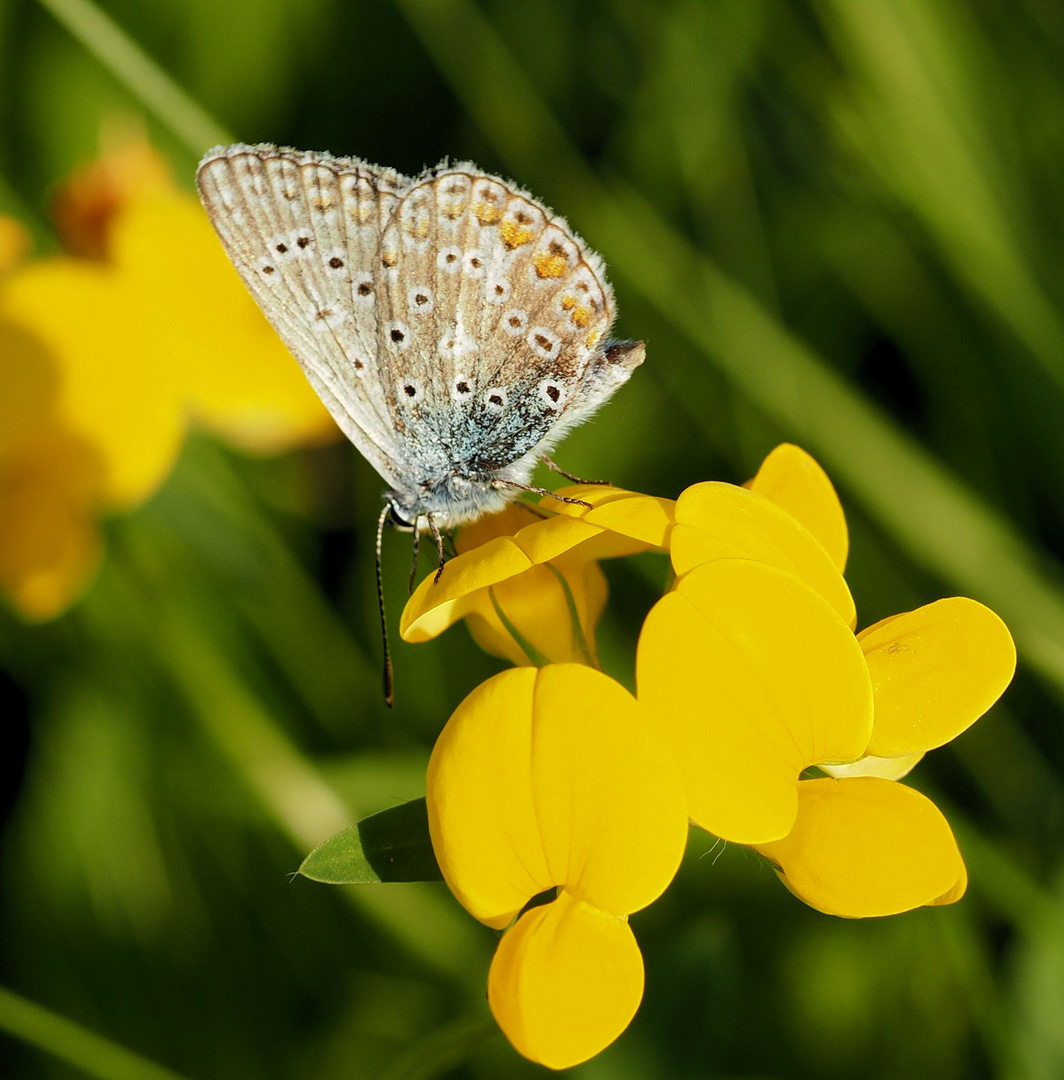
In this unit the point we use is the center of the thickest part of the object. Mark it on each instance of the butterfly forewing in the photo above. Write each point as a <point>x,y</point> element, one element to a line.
<point>303,231</point>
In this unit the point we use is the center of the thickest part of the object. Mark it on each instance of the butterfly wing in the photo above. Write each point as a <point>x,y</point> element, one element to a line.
<point>503,313</point>
<point>304,233</point>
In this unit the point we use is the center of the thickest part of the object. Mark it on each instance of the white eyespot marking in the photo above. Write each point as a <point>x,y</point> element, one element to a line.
<point>545,343</point>
<point>515,322</point>
<point>419,300</point>
<point>449,259</point>
<point>497,290</point>
<point>462,388</point>
<point>335,260</point>
<point>473,263</point>
<point>397,336</point>
<point>410,392</point>
<point>552,394</point>
<point>495,399</point>
<point>282,248</point>
<point>362,289</point>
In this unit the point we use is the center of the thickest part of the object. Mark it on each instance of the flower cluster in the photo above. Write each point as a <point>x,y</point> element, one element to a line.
<point>107,352</point>
<point>558,799</point>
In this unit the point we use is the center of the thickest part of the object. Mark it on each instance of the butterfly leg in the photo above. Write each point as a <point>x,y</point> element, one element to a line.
<point>569,476</point>
<point>500,484</point>
<point>413,564</point>
<point>435,530</point>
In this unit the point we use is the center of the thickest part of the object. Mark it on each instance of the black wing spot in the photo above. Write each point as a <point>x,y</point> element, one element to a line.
<point>365,289</point>
<point>282,248</point>
<point>303,241</point>
<point>495,399</point>
<point>397,336</point>
<point>463,387</point>
<point>553,393</point>
<point>336,262</point>
<point>410,391</point>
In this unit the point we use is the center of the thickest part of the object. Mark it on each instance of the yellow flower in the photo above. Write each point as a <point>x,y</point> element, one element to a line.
<point>753,677</point>
<point>552,779</point>
<point>528,582</point>
<point>758,708</point>
<point>152,331</point>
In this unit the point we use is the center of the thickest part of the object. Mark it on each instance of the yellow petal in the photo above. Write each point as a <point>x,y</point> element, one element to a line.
<point>886,768</point>
<point>49,544</point>
<point>14,243</point>
<point>552,777</point>
<point>228,366</point>
<point>753,677</point>
<point>609,796</point>
<point>161,331</point>
<point>85,205</point>
<point>793,480</point>
<point>482,815</point>
<point>644,518</point>
<point>721,521</point>
<point>546,614</point>
<point>935,671</point>
<point>565,982</point>
<point>867,846</point>
<point>534,601</point>
<point>434,607</point>
<point>113,384</point>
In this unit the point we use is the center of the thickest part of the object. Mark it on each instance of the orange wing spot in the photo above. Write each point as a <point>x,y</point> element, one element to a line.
<point>487,214</point>
<point>550,264</point>
<point>593,337</point>
<point>581,317</point>
<point>514,235</point>
<point>568,302</point>
<point>322,202</point>
<point>389,258</point>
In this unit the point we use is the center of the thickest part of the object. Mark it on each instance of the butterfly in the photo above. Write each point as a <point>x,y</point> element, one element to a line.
<point>453,326</point>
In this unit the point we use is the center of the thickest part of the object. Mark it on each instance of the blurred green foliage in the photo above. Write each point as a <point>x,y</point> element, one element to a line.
<point>835,222</point>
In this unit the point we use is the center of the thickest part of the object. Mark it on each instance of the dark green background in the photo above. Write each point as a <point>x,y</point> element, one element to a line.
<point>834,222</point>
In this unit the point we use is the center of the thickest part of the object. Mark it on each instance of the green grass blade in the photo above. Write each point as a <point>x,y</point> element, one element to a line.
<point>139,73</point>
<point>93,1054</point>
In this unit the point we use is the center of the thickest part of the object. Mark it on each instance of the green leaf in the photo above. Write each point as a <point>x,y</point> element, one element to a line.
<point>393,845</point>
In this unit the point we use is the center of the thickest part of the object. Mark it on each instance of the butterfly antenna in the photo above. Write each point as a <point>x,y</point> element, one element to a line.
<point>380,603</point>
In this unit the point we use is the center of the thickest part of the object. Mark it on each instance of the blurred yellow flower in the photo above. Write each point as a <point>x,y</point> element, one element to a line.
<point>528,582</point>
<point>552,779</point>
<point>118,349</point>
